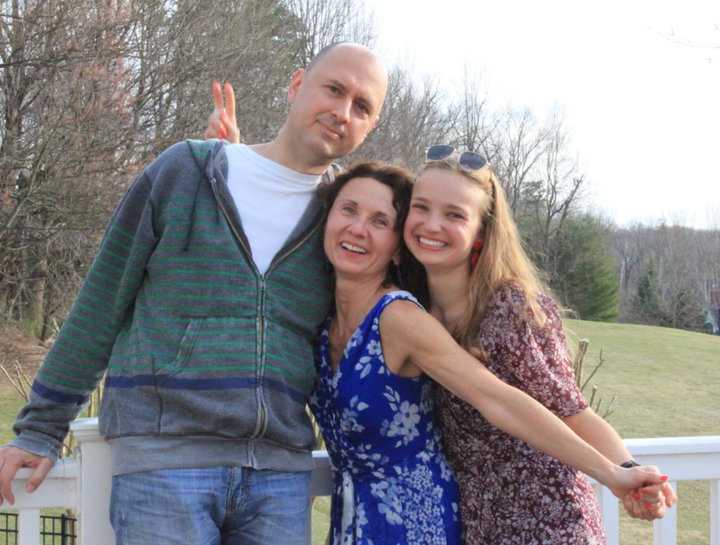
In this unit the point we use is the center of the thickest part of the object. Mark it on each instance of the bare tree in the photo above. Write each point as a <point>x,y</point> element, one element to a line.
<point>91,92</point>
<point>474,123</point>
<point>515,148</point>
<point>630,247</point>
<point>686,263</point>
<point>709,43</point>
<point>323,22</point>
<point>553,190</point>
<point>63,100</point>
<point>413,117</point>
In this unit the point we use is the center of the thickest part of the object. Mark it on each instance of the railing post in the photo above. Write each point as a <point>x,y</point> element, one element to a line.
<point>29,527</point>
<point>715,512</point>
<point>63,529</point>
<point>320,484</point>
<point>95,483</point>
<point>665,529</point>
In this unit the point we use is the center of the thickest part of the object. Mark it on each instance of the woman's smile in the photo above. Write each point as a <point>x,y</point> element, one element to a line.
<point>353,248</point>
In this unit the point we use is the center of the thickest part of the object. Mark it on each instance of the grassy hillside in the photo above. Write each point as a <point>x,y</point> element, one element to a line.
<point>10,403</point>
<point>667,384</point>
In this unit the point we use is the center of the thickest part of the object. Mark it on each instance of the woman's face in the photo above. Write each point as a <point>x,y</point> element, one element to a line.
<point>360,236</point>
<point>444,219</point>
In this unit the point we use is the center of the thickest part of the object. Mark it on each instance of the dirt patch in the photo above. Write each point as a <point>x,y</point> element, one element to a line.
<point>19,346</point>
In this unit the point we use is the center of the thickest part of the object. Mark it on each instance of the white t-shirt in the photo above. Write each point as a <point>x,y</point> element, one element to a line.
<point>270,198</point>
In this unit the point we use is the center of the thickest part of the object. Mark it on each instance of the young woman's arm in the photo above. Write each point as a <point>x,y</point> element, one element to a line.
<point>537,359</point>
<point>410,334</point>
<point>603,437</point>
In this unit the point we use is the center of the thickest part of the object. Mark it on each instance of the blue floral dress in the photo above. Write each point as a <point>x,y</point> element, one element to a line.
<point>392,485</point>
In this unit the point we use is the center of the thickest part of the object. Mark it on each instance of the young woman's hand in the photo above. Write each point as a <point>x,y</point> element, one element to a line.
<point>631,481</point>
<point>650,502</point>
<point>222,123</point>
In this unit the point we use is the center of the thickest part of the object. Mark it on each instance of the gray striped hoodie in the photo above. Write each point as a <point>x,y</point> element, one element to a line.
<point>208,362</point>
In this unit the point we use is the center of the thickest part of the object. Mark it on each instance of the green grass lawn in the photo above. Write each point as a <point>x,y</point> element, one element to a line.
<point>667,385</point>
<point>10,403</point>
<point>666,382</point>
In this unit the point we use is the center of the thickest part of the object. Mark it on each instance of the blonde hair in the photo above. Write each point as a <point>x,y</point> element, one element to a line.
<point>502,262</point>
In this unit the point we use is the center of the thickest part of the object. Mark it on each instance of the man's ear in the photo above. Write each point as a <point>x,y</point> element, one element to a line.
<point>372,126</point>
<point>295,82</point>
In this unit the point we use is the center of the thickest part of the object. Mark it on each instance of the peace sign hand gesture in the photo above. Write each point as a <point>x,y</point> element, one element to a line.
<point>222,123</point>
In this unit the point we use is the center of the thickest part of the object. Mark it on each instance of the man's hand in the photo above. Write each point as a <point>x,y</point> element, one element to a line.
<point>12,459</point>
<point>222,123</point>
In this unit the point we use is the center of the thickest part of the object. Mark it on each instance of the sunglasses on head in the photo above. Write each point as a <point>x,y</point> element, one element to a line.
<point>469,160</point>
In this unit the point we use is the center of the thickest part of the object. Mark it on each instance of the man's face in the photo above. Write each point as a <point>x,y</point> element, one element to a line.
<point>336,103</point>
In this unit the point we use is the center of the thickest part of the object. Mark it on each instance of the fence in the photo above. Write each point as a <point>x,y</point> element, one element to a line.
<point>61,529</point>
<point>83,483</point>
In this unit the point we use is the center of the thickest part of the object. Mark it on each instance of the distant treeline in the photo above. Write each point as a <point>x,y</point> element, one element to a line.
<point>91,92</point>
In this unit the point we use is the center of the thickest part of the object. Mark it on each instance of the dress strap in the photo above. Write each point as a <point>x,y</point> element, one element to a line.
<point>395,295</point>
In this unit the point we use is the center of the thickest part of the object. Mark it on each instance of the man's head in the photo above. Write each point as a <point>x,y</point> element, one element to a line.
<point>335,101</point>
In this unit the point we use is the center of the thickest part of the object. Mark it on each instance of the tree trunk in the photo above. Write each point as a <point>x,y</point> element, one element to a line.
<point>36,296</point>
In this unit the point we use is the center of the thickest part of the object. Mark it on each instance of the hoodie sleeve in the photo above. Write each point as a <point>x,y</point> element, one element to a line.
<point>80,355</point>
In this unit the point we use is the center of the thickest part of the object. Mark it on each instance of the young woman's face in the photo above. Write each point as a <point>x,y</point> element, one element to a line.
<point>444,219</point>
<point>360,237</point>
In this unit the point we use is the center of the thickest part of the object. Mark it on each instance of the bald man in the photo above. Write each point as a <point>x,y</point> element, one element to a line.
<point>201,305</point>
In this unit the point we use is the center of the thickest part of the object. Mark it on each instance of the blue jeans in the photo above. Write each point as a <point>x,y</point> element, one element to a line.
<point>210,506</point>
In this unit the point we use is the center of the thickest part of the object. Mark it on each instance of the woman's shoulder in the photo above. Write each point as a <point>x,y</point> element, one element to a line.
<point>511,300</point>
<point>404,305</point>
<point>509,297</point>
<point>403,316</point>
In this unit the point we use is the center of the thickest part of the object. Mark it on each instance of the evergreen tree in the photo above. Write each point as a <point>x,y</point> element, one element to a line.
<point>648,305</point>
<point>584,276</point>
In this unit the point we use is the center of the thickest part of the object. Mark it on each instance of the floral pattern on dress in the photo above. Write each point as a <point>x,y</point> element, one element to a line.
<point>392,485</point>
<point>512,494</point>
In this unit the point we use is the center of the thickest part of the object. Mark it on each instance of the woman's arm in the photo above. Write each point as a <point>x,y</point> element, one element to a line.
<point>409,333</point>
<point>603,437</point>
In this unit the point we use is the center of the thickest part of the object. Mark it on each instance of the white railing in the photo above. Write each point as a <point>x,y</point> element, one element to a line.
<point>83,483</point>
<point>684,459</point>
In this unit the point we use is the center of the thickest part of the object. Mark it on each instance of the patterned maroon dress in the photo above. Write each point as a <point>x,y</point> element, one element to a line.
<point>512,493</point>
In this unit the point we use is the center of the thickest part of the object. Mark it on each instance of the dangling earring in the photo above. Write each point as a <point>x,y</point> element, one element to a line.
<point>398,274</point>
<point>477,247</point>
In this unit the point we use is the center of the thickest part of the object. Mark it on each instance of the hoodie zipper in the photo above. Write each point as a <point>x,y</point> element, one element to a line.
<point>263,282</point>
<point>263,285</point>
<point>291,250</point>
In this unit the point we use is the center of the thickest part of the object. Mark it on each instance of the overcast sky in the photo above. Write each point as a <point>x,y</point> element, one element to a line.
<point>644,110</point>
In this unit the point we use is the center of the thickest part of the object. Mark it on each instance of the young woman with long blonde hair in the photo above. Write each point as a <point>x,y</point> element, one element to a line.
<point>487,293</point>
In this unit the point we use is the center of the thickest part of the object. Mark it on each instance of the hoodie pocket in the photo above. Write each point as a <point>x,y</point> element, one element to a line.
<point>211,386</point>
<point>166,372</point>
